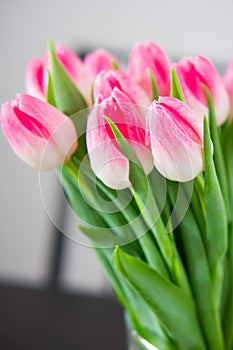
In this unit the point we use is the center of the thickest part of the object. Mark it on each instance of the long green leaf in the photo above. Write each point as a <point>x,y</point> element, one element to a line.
<point>218,153</point>
<point>174,307</point>
<point>82,209</point>
<point>199,274</point>
<point>176,90</point>
<point>228,306</point>
<point>216,221</point>
<point>227,147</point>
<point>154,85</point>
<point>143,320</point>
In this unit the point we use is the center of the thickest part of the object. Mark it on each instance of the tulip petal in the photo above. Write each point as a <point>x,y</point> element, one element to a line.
<point>228,82</point>
<point>146,58</point>
<point>36,78</point>
<point>176,139</point>
<point>39,134</point>
<point>193,73</point>
<point>106,81</point>
<point>107,160</point>
<point>99,60</point>
<point>70,61</point>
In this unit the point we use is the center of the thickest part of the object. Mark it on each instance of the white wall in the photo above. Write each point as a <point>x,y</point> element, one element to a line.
<point>180,27</point>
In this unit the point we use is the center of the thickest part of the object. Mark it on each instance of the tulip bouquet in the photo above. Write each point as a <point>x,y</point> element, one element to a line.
<point>145,157</point>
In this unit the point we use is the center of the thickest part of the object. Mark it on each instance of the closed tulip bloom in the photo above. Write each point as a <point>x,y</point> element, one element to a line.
<point>228,82</point>
<point>39,134</point>
<point>195,72</point>
<point>176,136</point>
<point>37,75</point>
<point>107,160</point>
<point>146,58</point>
<point>99,60</point>
<point>106,81</point>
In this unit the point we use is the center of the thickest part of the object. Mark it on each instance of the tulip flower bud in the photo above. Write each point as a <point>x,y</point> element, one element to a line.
<point>39,134</point>
<point>37,75</point>
<point>106,81</point>
<point>195,72</point>
<point>107,160</point>
<point>228,82</point>
<point>176,136</point>
<point>99,60</point>
<point>146,58</point>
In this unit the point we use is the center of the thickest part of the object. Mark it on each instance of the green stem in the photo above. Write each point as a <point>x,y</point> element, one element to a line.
<point>228,309</point>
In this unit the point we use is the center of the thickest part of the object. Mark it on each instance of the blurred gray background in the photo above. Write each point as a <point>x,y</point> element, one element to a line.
<point>180,27</point>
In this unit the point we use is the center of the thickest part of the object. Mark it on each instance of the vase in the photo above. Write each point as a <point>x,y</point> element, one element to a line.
<point>134,340</point>
<point>138,343</point>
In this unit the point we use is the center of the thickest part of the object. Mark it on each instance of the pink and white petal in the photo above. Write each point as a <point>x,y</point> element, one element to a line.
<point>138,68</point>
<point>49,116</point>
<point>222,106</point>
<point>25,126</point>
<point>110,166</point>
<point>144,155</point>
<point>71,62</point>
<point>161,67</point>
<point>176,139</point>
<point>99,60</point>
<point>133,90</point>
<point>176,156</point>
<point>228,83</point>
<point>133,114</point>
<point>180,165</point>
<point>36,78</point>
<point>181,115</point>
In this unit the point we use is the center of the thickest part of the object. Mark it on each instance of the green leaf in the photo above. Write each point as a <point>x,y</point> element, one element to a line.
<point>170,303</point>
<point>154,85</point>
<point>104,256</point>
<point>102,237</point>
<point>87,214</point>
<point>228,305</point>
<point>143,320</point>
<point>218,153</point>
<point>216,221</point>
<point>148,326</point>
<point>114,65</point>
<point>198,205</point>
<point>227,149</point>
<point>50,95</point>
<point>67,97</point>
<point>176,90</point>
<point>196,260</point>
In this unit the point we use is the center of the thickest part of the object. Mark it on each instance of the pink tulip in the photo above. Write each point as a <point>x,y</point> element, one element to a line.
<point>228,82</point>
<point>195,72</point>
<point>107,160</point>
<point>106,81</point>
<point>146,58</point>
<point>99,60</point>
<point>176,135</point>
<point>39,134</point>
<point>37,76</point>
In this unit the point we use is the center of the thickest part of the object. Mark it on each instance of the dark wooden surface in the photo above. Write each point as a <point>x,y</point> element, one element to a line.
<point>33,319</point>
